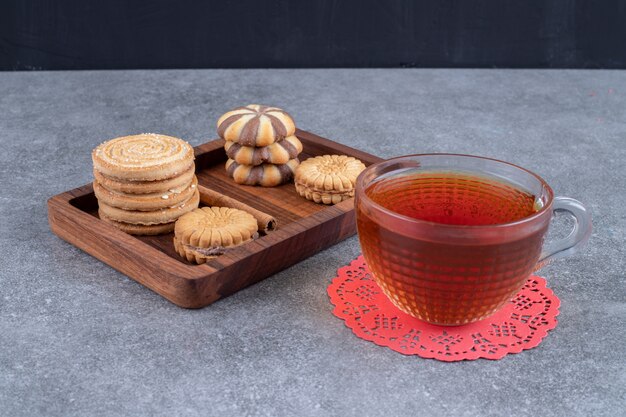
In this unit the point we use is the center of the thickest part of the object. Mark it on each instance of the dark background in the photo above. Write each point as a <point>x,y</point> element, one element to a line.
<point>89,34</point>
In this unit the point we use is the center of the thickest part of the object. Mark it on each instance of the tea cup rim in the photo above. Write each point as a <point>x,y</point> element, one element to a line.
<point>360,193</point>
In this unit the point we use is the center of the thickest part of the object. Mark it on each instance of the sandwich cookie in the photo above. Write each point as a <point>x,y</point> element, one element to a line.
<point>328,179</point>
<point>208,232</point>
<point>323,197</point>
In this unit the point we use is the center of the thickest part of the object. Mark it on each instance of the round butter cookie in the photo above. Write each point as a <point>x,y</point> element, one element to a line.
<point>266,175</point>
<point>277,153</point>
<point>328,179</point>
<point>208,232</point>
<point>161,216</point>
<point>144,202</point>
<point>144,157</point>
<point>173,184</point>
<point>140,229</point>
<point>255,125</point>
<point>329,172</point>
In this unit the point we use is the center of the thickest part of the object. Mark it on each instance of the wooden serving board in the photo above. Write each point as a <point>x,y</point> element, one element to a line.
<point>304,228</point>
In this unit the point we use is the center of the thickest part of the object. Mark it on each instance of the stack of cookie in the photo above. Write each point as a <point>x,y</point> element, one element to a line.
<point>328,179</point>
<point>260,144</point>
<point>145,182</point>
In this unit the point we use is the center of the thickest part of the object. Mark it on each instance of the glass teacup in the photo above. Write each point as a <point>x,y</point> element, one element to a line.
<point>451,238</point>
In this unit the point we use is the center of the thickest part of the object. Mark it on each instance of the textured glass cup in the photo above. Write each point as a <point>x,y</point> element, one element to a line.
<point>454,274</point>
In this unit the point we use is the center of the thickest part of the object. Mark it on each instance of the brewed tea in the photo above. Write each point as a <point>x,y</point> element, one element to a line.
<point>452,198</point>
<point>448,282</point>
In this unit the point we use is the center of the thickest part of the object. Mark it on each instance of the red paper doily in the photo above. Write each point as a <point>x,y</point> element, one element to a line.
<point>520,325</point>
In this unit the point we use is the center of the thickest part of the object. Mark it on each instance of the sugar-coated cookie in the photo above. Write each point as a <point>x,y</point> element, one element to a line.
<point>165,215</point>
<point>140,229</point>
<point>144,157</point>
<point>146,187</point>
<point>208,232</point>
<point>277,153</point>
<point>266,175</point>
<point>144,202</point>
<point>255,125</point>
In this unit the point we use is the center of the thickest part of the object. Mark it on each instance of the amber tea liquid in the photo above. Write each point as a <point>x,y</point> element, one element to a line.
<point>451,282</point>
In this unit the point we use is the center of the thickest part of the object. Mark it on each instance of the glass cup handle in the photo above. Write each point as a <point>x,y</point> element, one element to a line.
<point>577,238</point>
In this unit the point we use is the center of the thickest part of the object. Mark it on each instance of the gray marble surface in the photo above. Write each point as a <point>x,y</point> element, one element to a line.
<point>78,338</point>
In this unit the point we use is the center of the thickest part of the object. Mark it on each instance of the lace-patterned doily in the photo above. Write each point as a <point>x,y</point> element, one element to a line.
<point>520,325</point>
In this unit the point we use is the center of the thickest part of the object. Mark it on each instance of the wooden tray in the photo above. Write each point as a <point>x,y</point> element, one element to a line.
<point>304,228</point>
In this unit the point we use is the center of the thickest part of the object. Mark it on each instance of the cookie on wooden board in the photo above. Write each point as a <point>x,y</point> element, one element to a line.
<point>328,179</point>
<point>324,197</point>
<point>255,125</point>
<point>266,175</point>
<point>145,202</point>
<point>277,153</point>
<point>143,157</point>
<point>161,216</point>
<point>146,187</point>
<point>208,232</point>
<point>140,229</point>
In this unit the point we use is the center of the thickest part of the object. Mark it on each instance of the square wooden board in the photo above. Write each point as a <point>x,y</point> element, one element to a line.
<point>304,228</point>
